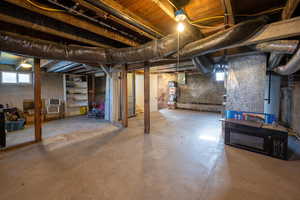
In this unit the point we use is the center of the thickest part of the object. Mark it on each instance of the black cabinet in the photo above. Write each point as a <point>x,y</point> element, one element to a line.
<point>255,137</point>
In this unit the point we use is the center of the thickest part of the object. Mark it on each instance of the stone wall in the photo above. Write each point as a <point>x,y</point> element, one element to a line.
<point>246,83</point>
<point>199,93</point>
<point>201,89</point>
<point>163,89</point>
<point>296,107</point>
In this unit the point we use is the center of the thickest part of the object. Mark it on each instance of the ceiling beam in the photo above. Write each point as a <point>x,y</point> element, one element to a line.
<point>289,9</point>
<point>106,15</point>
<point>128,14</point>
<point>76,22</point>
<point>166,7</point>
<point>45,29</point>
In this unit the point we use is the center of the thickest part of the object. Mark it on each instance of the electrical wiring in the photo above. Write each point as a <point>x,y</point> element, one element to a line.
<point>44,8</point>
<point>208,27</point>
<point>261,13</point>
<point>244,15</point>
<point>207,18</point>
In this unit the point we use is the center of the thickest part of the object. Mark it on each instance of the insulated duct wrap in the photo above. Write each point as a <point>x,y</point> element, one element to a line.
<point>291,67</point>
<point>228,37</point>
<point>278,46</point>
<point>43,49</point>
<point>155,49</point>
<point>203,63</point>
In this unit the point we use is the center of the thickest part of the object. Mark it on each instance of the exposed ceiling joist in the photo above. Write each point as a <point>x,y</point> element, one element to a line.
<point>74,21</point>
<point>289,8</point>
<point>104,14</point>
<point>59,65</point>
<point>166,7</point>
<point>68,67</point>
<point>128,14</point>
<point>45,29</point>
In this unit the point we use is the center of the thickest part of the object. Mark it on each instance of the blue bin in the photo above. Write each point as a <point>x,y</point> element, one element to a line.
<point>14,125</point>
<point>232,114</point>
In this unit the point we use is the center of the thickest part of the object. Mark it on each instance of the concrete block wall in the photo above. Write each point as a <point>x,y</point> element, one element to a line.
<point>246,83</point>
<point>14,94</point>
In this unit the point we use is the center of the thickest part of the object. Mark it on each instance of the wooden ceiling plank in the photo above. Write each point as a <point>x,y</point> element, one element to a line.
<point>74,21</point>
<point>124,11</point>
<point>27,24</point>
<point>166,7</point>
<point>104,14</point>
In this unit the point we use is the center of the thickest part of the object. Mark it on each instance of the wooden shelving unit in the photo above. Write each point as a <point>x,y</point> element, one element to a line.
<point>75,94</point>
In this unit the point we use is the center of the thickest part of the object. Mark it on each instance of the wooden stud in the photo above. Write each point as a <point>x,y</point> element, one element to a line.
<point>124,97</point>
<point>146,98</point>
<point>37,100</point>
<point>93,88</point>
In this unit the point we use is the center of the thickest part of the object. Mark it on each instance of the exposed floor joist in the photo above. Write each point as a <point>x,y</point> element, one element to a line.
<point>48,30</point>
<point>128,14</point>
<point>104,14</point>
<point>74,21</point>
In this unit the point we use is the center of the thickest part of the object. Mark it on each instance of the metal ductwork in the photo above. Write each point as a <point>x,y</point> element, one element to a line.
<point>203,63</point>
<point>291,67</point>
<point>278,46</point>
<point>228,37</point>
<point>155,49</point>
<point>43,49</point>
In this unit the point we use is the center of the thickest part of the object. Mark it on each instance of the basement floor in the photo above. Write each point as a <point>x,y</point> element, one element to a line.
<point>65,126</point>
<point>183,158</point>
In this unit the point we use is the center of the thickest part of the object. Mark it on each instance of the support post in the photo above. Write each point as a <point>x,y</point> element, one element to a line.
<point>93,88</point>
<point>124,97</point>
<point>146,98</point>
<point>37,100</point>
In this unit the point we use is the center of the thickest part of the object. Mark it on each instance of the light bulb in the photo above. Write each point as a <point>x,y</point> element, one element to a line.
<point>26,65</point>
<point>180,27</point>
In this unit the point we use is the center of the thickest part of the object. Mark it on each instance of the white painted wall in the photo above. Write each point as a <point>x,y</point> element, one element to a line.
<point>139,90</point>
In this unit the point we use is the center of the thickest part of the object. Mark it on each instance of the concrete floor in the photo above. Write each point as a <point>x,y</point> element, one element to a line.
<point>59,127</point>
<point>183,158</point>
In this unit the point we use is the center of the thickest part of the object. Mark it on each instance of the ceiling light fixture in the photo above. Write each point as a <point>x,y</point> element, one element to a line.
<point>180,15</point>
<point>25,65</point>
<point>180,27</point>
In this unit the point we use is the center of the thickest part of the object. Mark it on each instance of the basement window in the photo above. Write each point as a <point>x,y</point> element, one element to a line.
<point>220,76</point>
<point>9,77</point>
<point>15,78</point>
<point>24,78</point>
